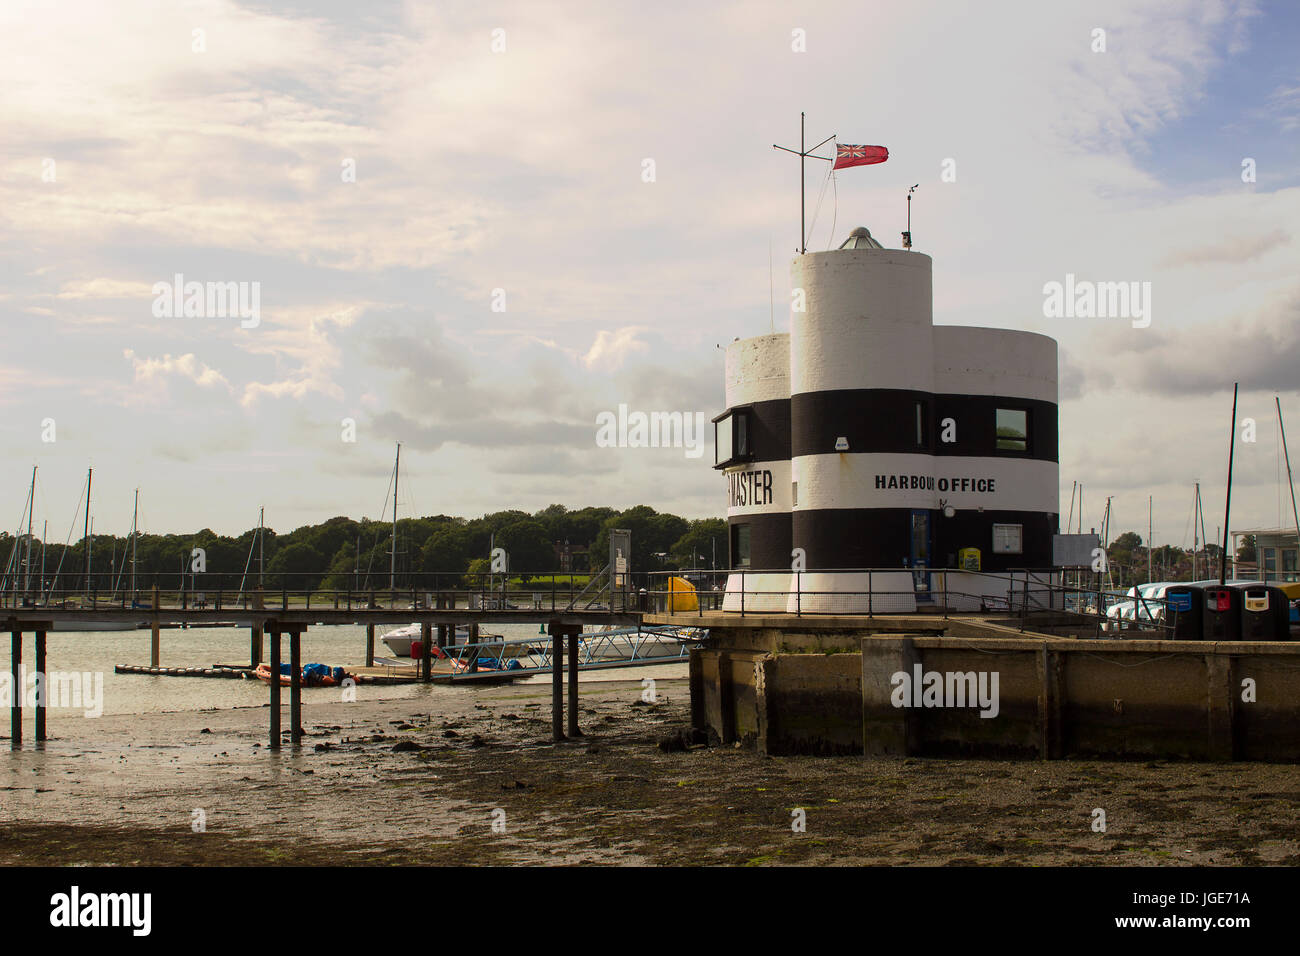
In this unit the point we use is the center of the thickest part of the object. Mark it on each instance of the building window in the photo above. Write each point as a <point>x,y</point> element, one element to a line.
<point>1270,563</point>
<point>1008,539</point>
<point>740,545</point>
<point>731,439</point>
<point>722,441</point>
<point>1012,429</point>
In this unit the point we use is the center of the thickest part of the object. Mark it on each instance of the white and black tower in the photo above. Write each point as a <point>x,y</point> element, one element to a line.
<point>870,438</point>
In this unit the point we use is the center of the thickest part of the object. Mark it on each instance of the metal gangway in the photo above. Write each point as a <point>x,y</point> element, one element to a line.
<point>497,659</point>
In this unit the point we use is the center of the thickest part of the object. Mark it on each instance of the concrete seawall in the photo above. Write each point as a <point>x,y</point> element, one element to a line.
<point>1055,697</point>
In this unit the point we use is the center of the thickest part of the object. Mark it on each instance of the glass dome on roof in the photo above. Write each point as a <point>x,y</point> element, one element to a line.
<point>860,238</point>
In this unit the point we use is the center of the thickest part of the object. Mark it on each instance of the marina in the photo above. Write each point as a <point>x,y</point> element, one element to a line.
<point>469,508</point>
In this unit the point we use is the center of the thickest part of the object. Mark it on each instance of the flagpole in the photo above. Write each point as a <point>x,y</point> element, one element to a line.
<point>803,154</point>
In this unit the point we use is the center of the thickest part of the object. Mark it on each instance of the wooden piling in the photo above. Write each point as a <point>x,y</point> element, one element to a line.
<point>557,681</point>
<point>295,687</point>
<point>426,651</point>
<point>153,640</point>
<point>255,645</point>
<point>16,710</point>
<point>43,687</point>
<point>274,634</point>
<point>370,645</point>
<point>573,682</point>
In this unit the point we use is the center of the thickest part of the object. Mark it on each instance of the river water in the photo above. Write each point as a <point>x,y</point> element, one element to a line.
<point>335,645</point>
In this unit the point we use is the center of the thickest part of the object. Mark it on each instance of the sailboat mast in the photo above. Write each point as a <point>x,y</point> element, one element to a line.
<point>1196,514</point>
<point>135,514</point>
<point>1227,503</point>
<point>1289,482</point>
<point>261,553</point>
<point>31,506</point>
<point>45,533</point>
<point>392,572</point>
<point>86,533</point>
<point>1150,525</point>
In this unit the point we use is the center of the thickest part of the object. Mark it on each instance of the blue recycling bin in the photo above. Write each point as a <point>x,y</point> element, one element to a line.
<point>1185,612</point>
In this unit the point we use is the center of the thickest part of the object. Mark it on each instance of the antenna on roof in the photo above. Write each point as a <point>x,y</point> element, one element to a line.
<point>907,236</point>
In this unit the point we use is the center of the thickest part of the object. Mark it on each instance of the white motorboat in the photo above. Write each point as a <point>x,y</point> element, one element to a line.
<point>399,641</point>
<point>96,625</point>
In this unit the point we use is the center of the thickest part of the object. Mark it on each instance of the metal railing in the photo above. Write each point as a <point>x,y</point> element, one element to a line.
<point>292,591</point>
<point>496,658</point>
<point>1020,594</point>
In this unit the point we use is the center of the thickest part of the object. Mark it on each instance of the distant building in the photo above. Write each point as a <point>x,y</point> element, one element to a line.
<point>868,437</point>
<point>568,556</point>
<point>1277,555</point>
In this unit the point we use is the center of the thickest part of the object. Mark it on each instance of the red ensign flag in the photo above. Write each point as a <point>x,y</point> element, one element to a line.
<point>858,155</point>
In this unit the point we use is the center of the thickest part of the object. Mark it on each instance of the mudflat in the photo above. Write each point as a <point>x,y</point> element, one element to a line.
<point>474,778</point>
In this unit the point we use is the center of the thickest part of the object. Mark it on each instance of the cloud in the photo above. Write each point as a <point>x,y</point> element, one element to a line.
<point>611,349</point>
<point>156,370</point>
<point>1261,353</point>
<point>1229,251</point>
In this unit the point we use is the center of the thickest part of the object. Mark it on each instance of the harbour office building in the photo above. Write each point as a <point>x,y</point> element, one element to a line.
<point>868,437</point>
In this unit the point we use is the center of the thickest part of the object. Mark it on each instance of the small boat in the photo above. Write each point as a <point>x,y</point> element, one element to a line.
<point>97,625</point>
<point>399,641</point>
<point>313,675</point>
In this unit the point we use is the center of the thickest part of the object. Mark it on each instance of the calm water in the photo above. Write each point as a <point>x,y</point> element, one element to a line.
<point>336,645</point>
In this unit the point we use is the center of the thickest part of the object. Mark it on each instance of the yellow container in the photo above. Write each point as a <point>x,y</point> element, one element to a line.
<point>969,559</point>
<point>681,595</point>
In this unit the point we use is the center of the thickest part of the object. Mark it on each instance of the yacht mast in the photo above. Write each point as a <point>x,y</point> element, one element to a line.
<point>392,571</point>
<point>134,516</point>
<point>27,567</point>
<point>261,554</point>
<point>86,534</point>
<point>1289,482</point>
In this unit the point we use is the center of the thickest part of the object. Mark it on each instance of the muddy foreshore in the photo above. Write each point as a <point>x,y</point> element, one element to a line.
<point>478,781</point>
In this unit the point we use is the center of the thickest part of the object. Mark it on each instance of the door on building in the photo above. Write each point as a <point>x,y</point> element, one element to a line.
<point>921,554</point>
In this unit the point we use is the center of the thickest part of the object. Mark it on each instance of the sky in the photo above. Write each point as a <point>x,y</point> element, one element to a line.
<point>473,228</point>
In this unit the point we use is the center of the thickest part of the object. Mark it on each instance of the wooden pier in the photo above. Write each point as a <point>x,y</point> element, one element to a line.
<point>272,623</point>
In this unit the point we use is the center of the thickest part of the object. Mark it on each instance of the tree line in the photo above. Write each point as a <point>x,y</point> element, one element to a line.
<point>347,554</point>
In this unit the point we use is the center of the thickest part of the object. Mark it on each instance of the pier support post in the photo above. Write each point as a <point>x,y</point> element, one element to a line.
<point>273,632</point>
<point>557,680</point>
<point>255,645</point>
<point>16,709</point>
<point>42,687</point>
<point>295,687</point>
<point>153,641</point>
<point>1219,704</point>
<point>1050,702</point>
<point>573,683</point>
<point>370,645</point>
<point>426,652</point>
